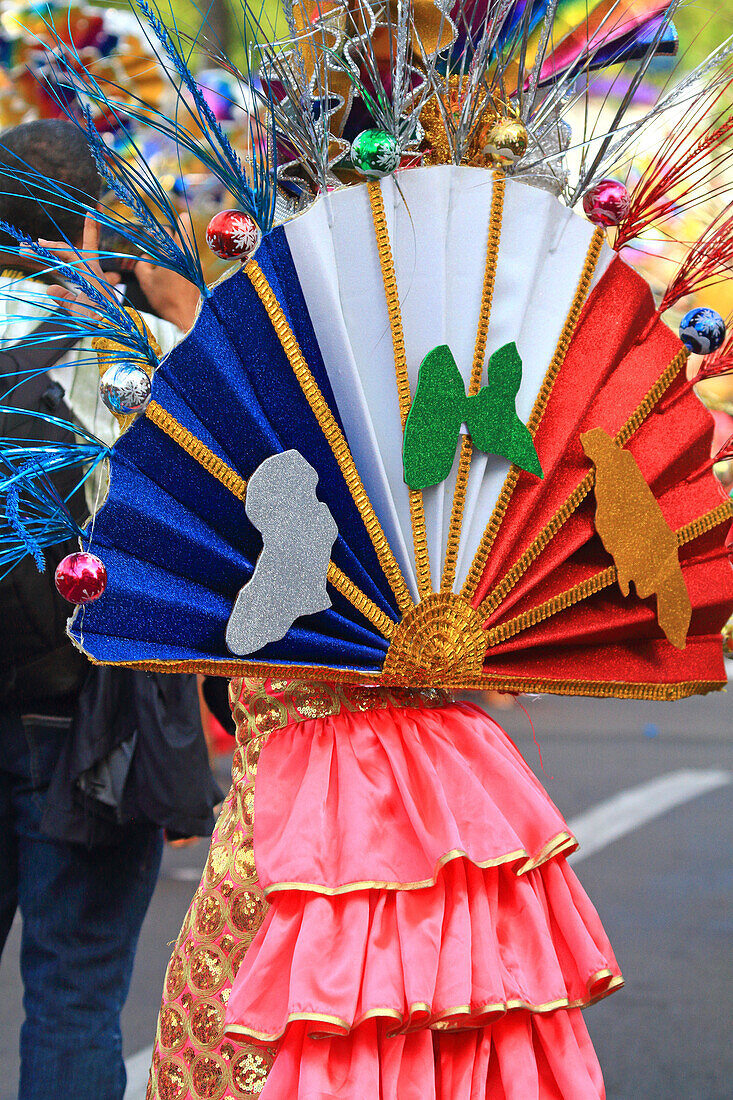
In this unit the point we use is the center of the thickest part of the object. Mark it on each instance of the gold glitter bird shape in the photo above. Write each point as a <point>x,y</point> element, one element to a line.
<point>633,530</point>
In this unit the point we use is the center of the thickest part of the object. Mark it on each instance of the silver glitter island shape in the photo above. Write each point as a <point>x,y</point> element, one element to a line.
<point>298,533</point>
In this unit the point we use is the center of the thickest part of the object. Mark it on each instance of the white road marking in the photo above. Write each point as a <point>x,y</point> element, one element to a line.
<point>186,874</point>
<point>629,810</point>
<point>608,821</point>
<point>138,1067</point>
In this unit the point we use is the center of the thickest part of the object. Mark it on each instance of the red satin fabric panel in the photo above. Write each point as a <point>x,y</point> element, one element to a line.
<point>605,376</point>
<point>672,449</point>
<point>617,618</point>
<point>651,661</point>
<point>617,354</point>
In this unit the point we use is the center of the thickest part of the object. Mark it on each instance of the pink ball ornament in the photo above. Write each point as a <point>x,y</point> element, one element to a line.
<point>233,235</point>
<point>607,203</point>
<point>80,578</point>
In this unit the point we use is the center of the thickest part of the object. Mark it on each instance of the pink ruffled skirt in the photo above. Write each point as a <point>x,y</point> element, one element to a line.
<point>425,936</point>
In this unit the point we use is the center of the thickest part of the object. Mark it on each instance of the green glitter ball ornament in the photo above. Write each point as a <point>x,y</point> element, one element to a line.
<point>375,153</point>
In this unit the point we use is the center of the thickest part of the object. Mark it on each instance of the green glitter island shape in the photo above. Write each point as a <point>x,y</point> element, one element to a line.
<point>441,406</point>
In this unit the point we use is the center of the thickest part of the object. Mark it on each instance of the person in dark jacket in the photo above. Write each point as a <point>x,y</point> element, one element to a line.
<point>95,763</point>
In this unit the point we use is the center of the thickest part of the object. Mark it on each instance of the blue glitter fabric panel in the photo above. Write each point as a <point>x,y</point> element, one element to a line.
<point>177,544</point>
<point>164,613</point>
<point>282,401</point>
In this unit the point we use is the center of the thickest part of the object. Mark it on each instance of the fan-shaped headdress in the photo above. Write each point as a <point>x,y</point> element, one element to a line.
<point>514,473</point>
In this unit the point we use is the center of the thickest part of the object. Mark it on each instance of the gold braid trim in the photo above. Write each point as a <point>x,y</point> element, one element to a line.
<point>197,450</point>
<point>464,462</point>
<point>389,279</point>
<point>492,528</point>
<point>598,581</point>
<point>386,261</point>
<point>545,536</point>
<point>701,526</point>
<point>360,601</point>
<point>333,434</point>
<point>561,602</point>
<point>535,548</point>
<point>238,487</point>
<point>492,255</point>
<point>438,641</point>
<point>655,394</point>
<point>599,689</point>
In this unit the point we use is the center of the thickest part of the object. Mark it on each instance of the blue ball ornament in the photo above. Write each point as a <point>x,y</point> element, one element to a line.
<point>702,330</point>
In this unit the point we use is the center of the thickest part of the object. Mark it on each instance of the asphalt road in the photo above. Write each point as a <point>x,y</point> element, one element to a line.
<point>664,890</point>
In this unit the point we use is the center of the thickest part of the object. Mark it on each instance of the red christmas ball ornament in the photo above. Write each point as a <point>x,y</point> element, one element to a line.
<point>81,578</point>
<point>233,235</point>
<point>606,203</point>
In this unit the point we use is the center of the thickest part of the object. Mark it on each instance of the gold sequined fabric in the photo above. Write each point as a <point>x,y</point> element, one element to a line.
<point>191,1058</point>
<point>263,705</point>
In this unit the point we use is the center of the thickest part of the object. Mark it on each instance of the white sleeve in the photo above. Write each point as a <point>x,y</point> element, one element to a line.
<point>166,333</point>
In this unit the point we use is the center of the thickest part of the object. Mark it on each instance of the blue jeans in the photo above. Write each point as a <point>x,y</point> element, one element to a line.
<point>82,910</point>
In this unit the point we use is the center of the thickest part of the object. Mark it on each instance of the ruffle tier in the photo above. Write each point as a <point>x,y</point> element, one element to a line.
<point>384,798</point>
<point>460,953</point>
<point>426,938</point>
<point>520,1057</point>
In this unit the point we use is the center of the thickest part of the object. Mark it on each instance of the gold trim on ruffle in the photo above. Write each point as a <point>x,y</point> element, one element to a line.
<point>332,433</point>
<point>561,843</point>
<point>443,1020</point>
<point>591,261</point>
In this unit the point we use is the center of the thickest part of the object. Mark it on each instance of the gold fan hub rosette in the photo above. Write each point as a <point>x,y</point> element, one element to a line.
<point>439,642</point>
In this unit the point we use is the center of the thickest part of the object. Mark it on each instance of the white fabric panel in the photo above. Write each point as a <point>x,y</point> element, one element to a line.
<point>439,248</point>
<point>438,225</point>
<point>338,266</point>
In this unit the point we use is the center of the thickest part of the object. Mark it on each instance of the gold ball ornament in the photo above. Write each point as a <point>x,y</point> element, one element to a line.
<point>506,142</point>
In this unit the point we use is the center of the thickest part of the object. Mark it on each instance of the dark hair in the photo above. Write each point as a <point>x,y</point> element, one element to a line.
<point>58,150</point>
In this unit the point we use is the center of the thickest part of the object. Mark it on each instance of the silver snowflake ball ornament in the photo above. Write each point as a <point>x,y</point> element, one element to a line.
<point>125,389</point>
